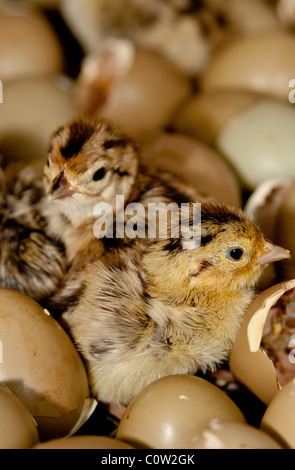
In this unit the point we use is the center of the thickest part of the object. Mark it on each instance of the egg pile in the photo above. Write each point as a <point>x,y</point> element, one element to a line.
<point>207,88</point>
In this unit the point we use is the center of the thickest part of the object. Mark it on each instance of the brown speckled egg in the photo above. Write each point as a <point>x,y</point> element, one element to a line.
<point>41,366</point>
<point>18,430</point>
<point>171,411</point>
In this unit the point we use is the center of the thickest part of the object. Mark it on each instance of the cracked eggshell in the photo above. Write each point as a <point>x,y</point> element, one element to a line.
<point>262,63</point>
<point>233,435</point>
<point>29,47</point>
<point>132,86</point>
<point>41,366</point>
<point>284,229</point>
<point>253,132</point>
<point>272,207</point>
<point>174,410</point>
<point>196,163</point>
<point>18,430</point>
<point>247,362</point>
<point>279,417</point>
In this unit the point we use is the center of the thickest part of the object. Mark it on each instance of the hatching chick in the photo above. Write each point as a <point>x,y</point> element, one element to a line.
<point>92,161</point>
<point>171,308</point>
<point>31,261</point>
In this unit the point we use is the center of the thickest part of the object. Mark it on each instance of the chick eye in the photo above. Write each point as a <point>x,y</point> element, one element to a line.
<point>235,254</point>
<point>99,174</point>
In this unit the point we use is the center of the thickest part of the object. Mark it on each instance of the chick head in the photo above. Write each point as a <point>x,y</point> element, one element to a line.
<point>90,161</point>
<point>219,248</point>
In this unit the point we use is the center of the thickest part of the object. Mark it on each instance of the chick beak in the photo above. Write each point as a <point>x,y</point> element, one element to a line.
<point>60,187</point>
<point>272,253</point>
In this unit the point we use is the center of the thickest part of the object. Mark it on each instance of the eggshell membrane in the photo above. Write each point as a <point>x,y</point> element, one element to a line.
<point>247,362</point>
<point>262,62</point>
<point>18,430</point>
<point>174,409</point>
<point>84,442</point>
<point>31,111</point>
<point>40,365</point>
<point>139,95</point>
<point>196,163</point>
<point>279,417</point>
<point>233,435</point>
<point>28,47</point>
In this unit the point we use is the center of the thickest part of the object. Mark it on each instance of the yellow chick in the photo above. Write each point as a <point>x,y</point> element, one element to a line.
<point>173,307</point>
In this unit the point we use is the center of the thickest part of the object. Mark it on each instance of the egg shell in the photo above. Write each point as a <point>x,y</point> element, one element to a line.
<point>233,435</point>
<point>254,133</point>
<point>272,207</point>
<point>264,204</point>
<point>116,79</point>
<point>262,62</point>
<point>279,417</point>
<point>196,163</point>
<point>251,17</point>
<point>31,111</point>
<point>247,362</point>
<point>171,411</point>
<point>84,442</point>
<point>18,430</point>
<point>40,365</point>
<point>284,228</point>
<point>28,47</point>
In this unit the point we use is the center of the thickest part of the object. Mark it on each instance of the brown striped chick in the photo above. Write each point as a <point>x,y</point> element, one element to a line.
<point>92,161</point>
<point>173,308</point>
<point>31,261</point>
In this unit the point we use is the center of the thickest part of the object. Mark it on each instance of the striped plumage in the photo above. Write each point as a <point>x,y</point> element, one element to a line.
<point>31,260</point>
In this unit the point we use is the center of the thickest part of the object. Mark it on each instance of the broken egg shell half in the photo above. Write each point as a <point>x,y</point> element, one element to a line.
<point>279,417</point>
<point>131,86</point>
<point>18,430</point>
<point>29,47</point>
<point>250,365</point>
<point>174,409</point>
<point>233,435</point>
<point>41,366</point>
<point>84,442</point>
<point>262,63</point>
<point>196,163</point>
<point>253,132</point>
